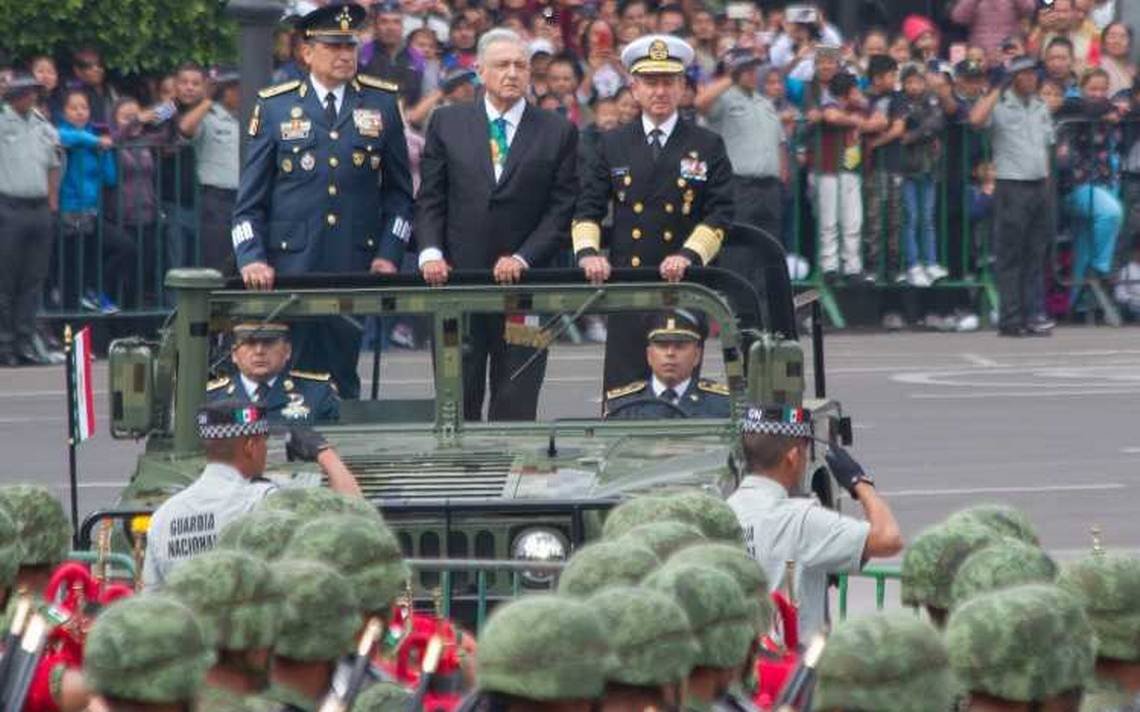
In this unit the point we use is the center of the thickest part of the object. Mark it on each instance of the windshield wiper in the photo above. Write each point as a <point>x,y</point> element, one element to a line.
<point>566,320</point>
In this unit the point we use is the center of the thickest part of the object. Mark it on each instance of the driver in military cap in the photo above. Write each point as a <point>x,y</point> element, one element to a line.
<point>260,354</point>
<point>674,352</point>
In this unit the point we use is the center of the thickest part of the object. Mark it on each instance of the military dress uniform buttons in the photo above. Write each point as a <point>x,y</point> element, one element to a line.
<point>635,261</point>
<point>334,135</point>
<point>636,233</point>
<point>668,236</point>
<point>333,161</point>
<point>284,245</point>
<point>669,208</point>
<point>369,242</point>
<point>331,219</point>
<point>681,183</point>
<point>296,149</point>
<point>332,190</point>
<point>628,180</point>
<point>638,207</point>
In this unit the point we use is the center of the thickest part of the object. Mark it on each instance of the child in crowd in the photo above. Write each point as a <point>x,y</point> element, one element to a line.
<point>131,209</point>
<point>882,189</point>
<point>920,155</point>
<point>982,205</point>
<point>1127,291</point>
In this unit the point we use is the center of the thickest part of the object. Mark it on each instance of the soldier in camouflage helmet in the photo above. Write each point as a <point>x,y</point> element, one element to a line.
<point>606,563</point>
<point>1108,585</point>
<point>1026,647</point>
<point>310,502</point>
<point>238,601</point>
<point>931,561</point>
<point>711,515</point>
<point>11,551</point>
<point>319,621</point>
<point>146,651</point>
<point>663,537</point>
<point>362,549</point>
<point>724,621</point>
<point>383,697</point>
<point>891,662</point>
<point>1009,562</point>
<point>1001,518</point>
<point>44,532</point>
<point>543,651</point>
<point>263,532</point>
<point>735,562</point>
<point>654,644</point>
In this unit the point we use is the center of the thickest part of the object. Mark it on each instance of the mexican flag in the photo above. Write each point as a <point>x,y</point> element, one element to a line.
<point>82,391</point>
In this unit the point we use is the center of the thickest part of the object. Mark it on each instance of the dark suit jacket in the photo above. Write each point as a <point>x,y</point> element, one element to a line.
<point>462,211</point>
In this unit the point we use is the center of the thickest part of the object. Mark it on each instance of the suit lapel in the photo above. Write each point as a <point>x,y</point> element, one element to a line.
<point>351,103</point>
<point>665,172</point>
<point>520,144</point>
<point>314,108</point>
<point>276,398</point>
<point>480,143</point>
<point>641,165</point>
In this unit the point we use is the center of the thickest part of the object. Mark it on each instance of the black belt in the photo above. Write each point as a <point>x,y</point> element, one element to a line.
<point>13,202</point>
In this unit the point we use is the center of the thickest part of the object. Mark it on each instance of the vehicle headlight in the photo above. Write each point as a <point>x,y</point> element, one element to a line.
<point>544,545</point>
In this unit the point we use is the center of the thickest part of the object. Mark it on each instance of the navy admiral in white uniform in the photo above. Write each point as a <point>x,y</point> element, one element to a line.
<point>260,355</point>
<point>326,185</point>
<point>674,354</point>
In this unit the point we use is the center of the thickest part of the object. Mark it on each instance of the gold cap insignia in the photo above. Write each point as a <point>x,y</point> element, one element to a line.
<point>658,50</point>
<point>345,20</point>
<point>671,324</point>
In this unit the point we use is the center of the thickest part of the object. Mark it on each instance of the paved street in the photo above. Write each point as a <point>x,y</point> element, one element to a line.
<point>943,420</point>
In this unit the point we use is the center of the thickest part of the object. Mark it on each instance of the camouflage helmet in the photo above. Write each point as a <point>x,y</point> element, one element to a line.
<point>663,537</point>
<point>709,514</point>
<point>263,533</point>
<point>236,597</point>
<point>649,633</point>
<point>382,697</point>
<point>148,649</point>
<point>310,502</point>
<point>1108,585</point>
<point>1007,563</point>
<point>1022,644</point>
<point>363,549</point>
<point>320,615</point>
<point>931,561</point>
<point>1001,518</point>
<point>10,549</point>
<point>735,562</point>
<point>605,563</point>
<point>544,647</point>
<point>892,662</point>
<point>721,616</point>
<point>45,532</point>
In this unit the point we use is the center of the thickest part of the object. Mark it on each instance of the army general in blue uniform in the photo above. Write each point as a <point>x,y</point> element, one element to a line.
<point>673,390</point>
<point>326,185</point>
<point>260,355</point>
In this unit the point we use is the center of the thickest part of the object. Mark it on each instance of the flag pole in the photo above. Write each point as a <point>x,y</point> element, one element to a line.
<point>69,364</point>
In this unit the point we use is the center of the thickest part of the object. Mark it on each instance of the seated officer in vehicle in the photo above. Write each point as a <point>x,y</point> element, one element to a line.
<point>260,354</point>
<point>676,347</point>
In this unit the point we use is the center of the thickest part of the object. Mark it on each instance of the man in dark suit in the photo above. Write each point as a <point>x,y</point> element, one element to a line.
<point>326,185</point>
<point>497,193</point>
<point>670,183</point>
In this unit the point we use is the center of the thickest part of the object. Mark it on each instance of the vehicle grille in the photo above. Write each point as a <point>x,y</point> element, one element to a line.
<point>459,476</point>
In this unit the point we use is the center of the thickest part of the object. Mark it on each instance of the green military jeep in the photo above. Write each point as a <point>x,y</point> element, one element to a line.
<point>501,491</point>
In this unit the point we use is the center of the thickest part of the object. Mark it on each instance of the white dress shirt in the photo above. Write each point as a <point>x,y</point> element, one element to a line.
<point>251,385</point>
<point>666,127</point>
<point>512,116</point>
<point>322,91</point>
<point>679,389</point>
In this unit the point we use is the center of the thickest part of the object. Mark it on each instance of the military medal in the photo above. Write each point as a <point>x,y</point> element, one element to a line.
<point>358,158</point>
<point>296,410</point>
<point>296,129</point>
<point>369,122</point>
<point>287,165</point>
<point>255,120</point>
<point>375,162</point>
<point>296,112</point>
<point>693,168</point>
<point>308,162</point>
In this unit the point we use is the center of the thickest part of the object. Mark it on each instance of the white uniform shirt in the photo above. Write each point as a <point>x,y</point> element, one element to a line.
<point>188,523</point>
<point>779,528</point>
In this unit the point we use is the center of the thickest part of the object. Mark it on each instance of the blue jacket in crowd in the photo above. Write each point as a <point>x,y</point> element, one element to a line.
<point>89,168</point>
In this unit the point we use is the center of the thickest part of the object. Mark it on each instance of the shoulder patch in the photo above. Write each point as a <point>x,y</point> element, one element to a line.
<point>218,383</point>
<point>311,375</point>
<point>626,390</point>
<point>713,387</point>
<point>277,89</point>
<point>377,83</point>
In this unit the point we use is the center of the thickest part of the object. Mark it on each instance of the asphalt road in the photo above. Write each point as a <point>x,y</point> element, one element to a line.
<point>942,420</point>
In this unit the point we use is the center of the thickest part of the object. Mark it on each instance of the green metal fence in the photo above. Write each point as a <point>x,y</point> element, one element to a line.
<point>879,573</point>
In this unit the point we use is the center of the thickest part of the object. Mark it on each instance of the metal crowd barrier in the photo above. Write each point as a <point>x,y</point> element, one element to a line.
<point>879,573</point>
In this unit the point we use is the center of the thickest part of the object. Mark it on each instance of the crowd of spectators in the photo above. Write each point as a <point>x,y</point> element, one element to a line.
<point>857,150</point>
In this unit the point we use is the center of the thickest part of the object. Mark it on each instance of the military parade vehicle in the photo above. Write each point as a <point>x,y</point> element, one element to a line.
<point>502,491</point>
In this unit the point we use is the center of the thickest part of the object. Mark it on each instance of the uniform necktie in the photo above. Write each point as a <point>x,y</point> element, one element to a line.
<point>330,108</point>
<point>261,392</point>
<point>669,395</point>
<point>499,145</point>
<point>655,147</point>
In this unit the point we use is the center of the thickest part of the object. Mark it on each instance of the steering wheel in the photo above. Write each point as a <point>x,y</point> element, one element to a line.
<point>668,405</point>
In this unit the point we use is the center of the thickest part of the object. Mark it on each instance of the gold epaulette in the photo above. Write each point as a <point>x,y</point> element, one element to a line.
<point>311,375</point>
<point>277,89</point>
<point>218,383</point>
<point>713,387</point>
<point>377,83</point>
<point>626,390</point>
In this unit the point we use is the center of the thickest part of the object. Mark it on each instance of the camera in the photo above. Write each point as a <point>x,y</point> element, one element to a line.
<point>802,15</point>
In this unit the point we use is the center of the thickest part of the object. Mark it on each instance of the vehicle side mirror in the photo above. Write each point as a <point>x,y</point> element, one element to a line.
<point>132,386</point>
<point>843,430</point>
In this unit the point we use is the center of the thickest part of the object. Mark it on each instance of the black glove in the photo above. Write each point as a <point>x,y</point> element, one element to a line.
<point>846,471</point>
<point>305,444</point>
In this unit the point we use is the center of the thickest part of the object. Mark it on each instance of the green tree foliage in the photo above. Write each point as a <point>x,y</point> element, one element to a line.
<point>135,36</point>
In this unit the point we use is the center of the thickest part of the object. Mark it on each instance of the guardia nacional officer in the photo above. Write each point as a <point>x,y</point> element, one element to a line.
<point>670,183</point>
<point>676,347</point>
<point>326,185</point>
<point>260,355</point>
